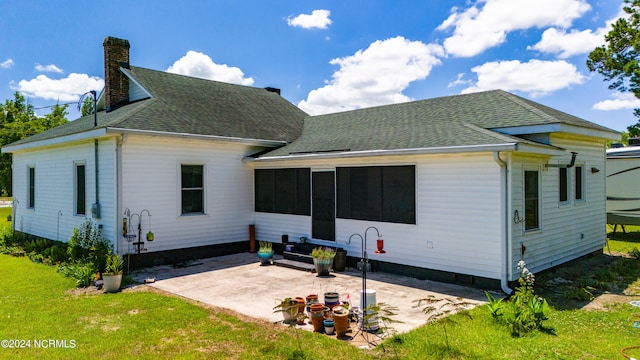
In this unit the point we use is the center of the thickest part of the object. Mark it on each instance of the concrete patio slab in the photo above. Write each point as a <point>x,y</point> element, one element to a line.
<point>239,283</point>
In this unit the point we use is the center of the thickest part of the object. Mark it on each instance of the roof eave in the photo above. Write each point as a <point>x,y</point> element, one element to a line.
<point>85,135</point>
<point>416,151</point>
<point>257,142</point>
<point>559,127</point>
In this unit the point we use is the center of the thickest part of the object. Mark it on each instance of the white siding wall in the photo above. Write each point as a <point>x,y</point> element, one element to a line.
<point>54,189</point>
<point>152,180</point>
<point>568,230</point>
<point>458,215</point>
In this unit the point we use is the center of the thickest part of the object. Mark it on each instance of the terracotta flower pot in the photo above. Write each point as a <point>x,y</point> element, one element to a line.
<point>317,317</point>
<point>341,321</point>
<point>313,298</point>
<point>301,303</point>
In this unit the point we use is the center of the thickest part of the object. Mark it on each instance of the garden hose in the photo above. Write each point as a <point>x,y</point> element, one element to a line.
<point>622,351</point>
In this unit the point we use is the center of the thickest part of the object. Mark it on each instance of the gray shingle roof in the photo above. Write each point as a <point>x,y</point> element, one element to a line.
<point>187,105</point>
<point>460,120</point>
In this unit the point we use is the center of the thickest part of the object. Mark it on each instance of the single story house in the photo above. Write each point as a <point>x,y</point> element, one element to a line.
<point>460,187</point>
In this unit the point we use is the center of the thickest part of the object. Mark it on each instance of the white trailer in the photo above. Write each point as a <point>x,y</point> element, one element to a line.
<point>623,186</point>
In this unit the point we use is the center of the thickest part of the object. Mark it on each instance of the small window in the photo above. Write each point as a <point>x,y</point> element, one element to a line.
<point>531,201</point>
<point>192,189</point>
<point>579,183</point>
<point>80,190</point>
<point>564,184</point>
<point>31,199</point>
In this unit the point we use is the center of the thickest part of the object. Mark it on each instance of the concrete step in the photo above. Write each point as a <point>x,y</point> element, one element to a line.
<point>292,264</point>
<point>296,256</point>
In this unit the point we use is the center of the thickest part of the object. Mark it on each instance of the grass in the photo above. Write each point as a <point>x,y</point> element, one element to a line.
<point>35,304</point>
<point>571,331</point>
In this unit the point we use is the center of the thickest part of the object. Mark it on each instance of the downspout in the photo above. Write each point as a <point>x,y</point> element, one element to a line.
<point>504,279</point>
<point>118,223</point>
<point>96,206</point>
<point>95,209</point>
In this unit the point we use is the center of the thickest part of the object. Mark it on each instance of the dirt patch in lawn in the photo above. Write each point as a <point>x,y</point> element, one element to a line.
<point>592,283</point>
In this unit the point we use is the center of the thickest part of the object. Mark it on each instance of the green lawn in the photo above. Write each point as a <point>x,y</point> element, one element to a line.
<point>34,306</point>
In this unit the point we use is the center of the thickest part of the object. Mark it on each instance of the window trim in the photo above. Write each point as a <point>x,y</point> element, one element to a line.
<point>567,188</point>
<point>31,187</point>
<point>583,194</point>
<point>76,165</point>
<point>538,198</point>
<point>181,189</point>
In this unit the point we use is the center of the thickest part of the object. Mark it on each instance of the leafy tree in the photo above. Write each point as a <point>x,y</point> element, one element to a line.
<point>618,59</point>
<point>18,120</point>
<point>87,106</point>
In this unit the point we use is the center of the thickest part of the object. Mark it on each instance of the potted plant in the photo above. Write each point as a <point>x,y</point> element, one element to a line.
<point>289,309</point>
<point>112,276</point>
<point>323,259</point>
<point>265,252</point>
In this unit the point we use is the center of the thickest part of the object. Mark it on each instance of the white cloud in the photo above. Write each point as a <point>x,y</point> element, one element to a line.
<point>374,76</point>
<point>48,68</point>
<point>620,101</point>
<point>318,19</point>
<point>7,64</point>
<point>66,89</point>
<point>199,65</point>
<point>566,44</point>
<point>535,77</point>
<point>460,80</point>
<point>477,29</point>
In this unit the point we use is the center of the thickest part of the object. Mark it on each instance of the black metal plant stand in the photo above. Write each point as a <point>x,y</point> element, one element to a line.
<point>365,259</point>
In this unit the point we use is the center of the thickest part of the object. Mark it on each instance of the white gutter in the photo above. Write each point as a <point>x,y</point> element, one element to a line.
<point>504,279</point>
<point>411,151</point>
<point>85,135</point>
<point>259,142</point>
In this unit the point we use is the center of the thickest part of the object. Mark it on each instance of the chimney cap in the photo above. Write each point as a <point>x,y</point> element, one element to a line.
<point>114,41</point>
<point>272,89</point>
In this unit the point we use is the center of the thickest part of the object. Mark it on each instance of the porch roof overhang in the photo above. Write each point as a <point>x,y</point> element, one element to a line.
<point>341,154</point>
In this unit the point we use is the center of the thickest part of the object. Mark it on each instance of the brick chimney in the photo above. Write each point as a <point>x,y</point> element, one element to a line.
<point>116,84</point>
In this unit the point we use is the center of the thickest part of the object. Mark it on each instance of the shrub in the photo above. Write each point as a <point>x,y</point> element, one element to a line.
<point>525,311</point>
<point>88,245</point>
<point>83,272</point>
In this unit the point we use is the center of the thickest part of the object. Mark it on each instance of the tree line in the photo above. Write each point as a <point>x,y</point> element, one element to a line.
<point>18,120</point>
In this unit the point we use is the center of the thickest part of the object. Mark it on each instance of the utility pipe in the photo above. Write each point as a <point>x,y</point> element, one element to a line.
<point>504,280</point>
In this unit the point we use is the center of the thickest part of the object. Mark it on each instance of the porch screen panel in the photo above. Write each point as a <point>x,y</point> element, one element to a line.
<point>283,191</point>
<point>376,193</point>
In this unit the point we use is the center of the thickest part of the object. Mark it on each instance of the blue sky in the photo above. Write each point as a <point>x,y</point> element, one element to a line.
<point>326,56</point>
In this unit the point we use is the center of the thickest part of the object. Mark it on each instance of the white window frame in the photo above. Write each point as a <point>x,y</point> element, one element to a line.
<point>568,187</point>
<point>539,197</point>
<point>31,200</point>
<point>583,183</point>
<point>181,189</point>
<point>75,187</point>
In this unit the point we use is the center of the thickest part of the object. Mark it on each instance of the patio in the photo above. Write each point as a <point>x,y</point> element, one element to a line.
<point>239,283</point>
